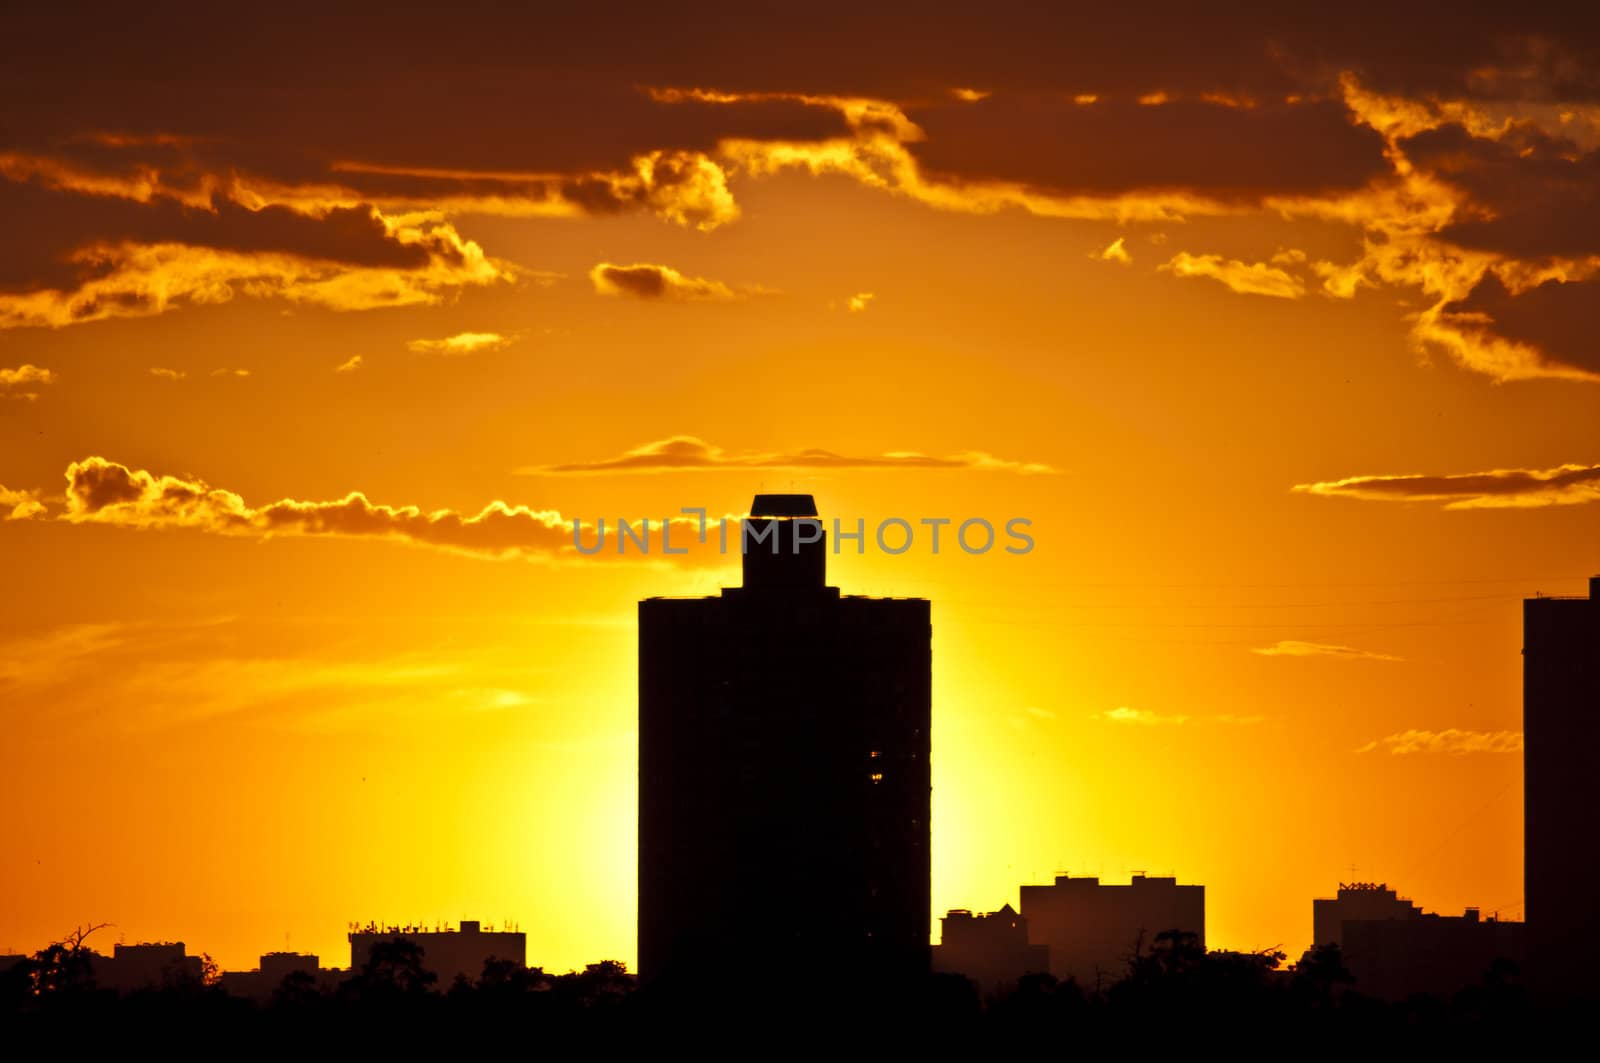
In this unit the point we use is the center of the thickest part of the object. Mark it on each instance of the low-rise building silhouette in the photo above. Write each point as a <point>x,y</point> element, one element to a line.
<point>992,950</point>
<point>1356,901</point>
<point>1092,929</point>
<point>1428,953</point>
<point>446,953</point>
<point>260,984</point>
<point>155,965</point>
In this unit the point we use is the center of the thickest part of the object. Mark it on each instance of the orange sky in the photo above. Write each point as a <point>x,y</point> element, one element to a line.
<point>1284,346</point>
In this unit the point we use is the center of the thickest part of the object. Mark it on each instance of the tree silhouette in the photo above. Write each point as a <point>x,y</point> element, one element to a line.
<point>393,971</point>
<point>1320,975</point>
<point>66,966</point>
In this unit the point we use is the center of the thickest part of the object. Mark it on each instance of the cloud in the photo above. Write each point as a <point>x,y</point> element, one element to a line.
<point>1421,232</point>
<point>1247,278</point>
<point>24,375</point>
<point>1532,195</point>
<point>1162,142</point>
<point>19,505</point>
<point>1448,741</point>
<point>462,343</point>
<point>230,372</point>
<point>352,364</point>
<point>1114,252</point>
<point>1140,717</point>
<point>689,453</point>
<point>647,281</point>
<point>859,301</point>
<point>1495,489</point>
<point>1554,322</point>
<point>136,280</point>
<point>1463,152</point>
<point>105,492</point>
<point>168,374</point>
<point>1295,648</point>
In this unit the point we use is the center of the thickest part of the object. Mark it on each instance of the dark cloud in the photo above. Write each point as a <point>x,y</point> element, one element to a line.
<point>1560,319</point>
<point>439,81</point>
<point>648,281</point>
<point>1118,145</point>
<point>1531,195</point>
<point>43,227</point>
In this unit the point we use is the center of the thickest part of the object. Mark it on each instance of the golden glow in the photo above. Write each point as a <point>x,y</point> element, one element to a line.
<point>306,605</point>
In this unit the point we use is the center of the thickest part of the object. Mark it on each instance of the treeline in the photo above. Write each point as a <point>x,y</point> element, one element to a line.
<point>1174,987</point>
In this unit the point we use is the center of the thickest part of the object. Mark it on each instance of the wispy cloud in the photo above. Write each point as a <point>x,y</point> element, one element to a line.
<point>689,453</point>
<point>1451,741</point>
<point>349,366</point>
<point>460,343</point>
<point>1563,485</point>
<point>1140,717</point>
<point>1116,251</point>
<point>167,374</point>
<point>1296,648</point>
<point>224,371</point>
<point>1246,278</point>
<point>859,302</point>
<point>430,260</point>
<point>644,280</point>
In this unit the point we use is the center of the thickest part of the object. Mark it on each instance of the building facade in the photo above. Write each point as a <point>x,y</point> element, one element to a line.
<point>784,787</point>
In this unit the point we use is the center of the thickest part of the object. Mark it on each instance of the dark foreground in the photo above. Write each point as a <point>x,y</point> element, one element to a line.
<point>1172,997</point>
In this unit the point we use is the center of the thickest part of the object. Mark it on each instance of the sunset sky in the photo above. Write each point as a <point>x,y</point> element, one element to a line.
<point>316,333</point>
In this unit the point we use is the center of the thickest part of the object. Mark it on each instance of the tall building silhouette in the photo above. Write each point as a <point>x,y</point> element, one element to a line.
<point>784,788</point>
<point>1561,788</point>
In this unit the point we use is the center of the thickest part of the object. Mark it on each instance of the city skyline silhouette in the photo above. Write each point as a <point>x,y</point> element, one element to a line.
<point>1217,386</point>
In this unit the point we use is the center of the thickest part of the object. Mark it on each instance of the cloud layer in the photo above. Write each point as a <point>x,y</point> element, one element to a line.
<point>689,453</point>
<point>1495,489</point>
<point>1468,162</point>
<point>1452,741</point>
<point>106,492</point>
<point>1295,648</point>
